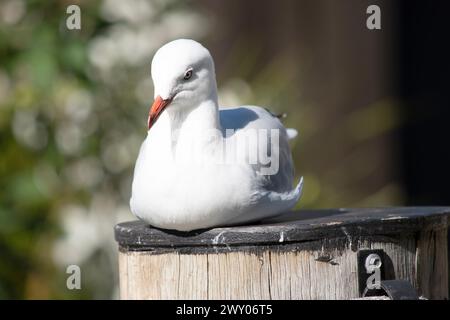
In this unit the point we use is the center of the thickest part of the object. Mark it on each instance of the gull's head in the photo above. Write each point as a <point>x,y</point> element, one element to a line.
<point>183,77</point>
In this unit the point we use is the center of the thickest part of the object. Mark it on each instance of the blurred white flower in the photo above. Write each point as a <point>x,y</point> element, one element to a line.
<point>119,154</point>
<point>78,105</point>
<point>87,229</point>
<point>78,110</point>
<point>133,11</point>
<point>115,157</point>
<point>81,236</point>
<point>84,173</point>
<point>12,11</point>
<point>28,130</point>
<point>132,49</point>
<point>102,52</point>
<point>122,44</point>
<point>136,37</point>
<point>68,138</point>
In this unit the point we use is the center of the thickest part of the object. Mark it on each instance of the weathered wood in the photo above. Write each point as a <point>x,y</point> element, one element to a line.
<point>432,258</point>
<point>312,257</point>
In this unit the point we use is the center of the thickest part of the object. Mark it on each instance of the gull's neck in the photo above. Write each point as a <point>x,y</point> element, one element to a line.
<point>196,119</point>
<point>189,129</point>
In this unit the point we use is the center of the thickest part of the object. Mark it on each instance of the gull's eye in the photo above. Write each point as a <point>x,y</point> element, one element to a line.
<point>187,74</point>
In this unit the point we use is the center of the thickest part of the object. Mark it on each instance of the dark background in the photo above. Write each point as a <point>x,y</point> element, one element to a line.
<point>424,85</point>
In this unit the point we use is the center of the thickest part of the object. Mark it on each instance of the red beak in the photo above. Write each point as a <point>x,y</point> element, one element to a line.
<point>156,109</point>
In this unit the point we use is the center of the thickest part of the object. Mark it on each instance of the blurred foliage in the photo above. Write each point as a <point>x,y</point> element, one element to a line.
<point>73,108</point>
<point>40,67</point>
<point>72,117</point>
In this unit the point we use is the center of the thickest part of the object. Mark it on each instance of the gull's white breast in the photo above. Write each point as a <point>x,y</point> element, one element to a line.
<point>169,192</point>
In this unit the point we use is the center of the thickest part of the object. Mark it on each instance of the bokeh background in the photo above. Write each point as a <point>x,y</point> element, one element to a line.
<point>371,107</point>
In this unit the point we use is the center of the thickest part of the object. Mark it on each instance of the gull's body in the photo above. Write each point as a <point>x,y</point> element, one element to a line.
<point>182,180</point>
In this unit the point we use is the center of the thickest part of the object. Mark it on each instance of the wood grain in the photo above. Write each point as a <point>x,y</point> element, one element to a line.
<point>432,261</point>
<point>270,274</point>
<point>205,266</point>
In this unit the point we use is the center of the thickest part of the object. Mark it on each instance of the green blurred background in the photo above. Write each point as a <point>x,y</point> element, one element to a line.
<point>73,108</point>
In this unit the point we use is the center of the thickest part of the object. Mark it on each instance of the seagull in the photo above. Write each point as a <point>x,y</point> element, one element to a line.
<point>202,166</point>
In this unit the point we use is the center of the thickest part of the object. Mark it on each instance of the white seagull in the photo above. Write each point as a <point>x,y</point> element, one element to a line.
<point>201,166</point>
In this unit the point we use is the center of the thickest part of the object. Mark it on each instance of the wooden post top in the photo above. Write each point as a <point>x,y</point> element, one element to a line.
<point>292,227</point>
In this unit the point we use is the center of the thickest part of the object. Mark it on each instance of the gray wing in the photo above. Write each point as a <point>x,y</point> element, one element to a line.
<point>252,117</point>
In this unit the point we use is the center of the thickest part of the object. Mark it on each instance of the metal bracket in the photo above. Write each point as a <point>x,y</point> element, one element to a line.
<point>395,290</point>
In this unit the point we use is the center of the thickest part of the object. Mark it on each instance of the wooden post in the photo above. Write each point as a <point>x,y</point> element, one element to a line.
<point>299,255</point>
